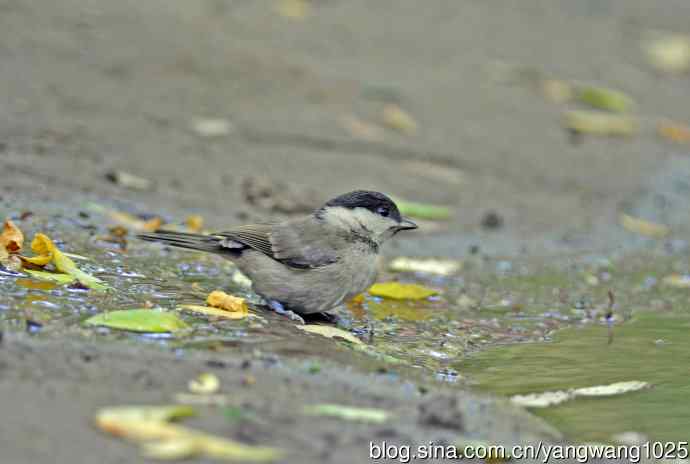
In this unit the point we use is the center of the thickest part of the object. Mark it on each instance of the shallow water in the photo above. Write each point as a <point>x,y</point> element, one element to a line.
<point>651,347</point>
<point>506,326</point>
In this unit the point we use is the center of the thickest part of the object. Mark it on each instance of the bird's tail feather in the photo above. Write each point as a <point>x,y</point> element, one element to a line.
<point>200,242</point>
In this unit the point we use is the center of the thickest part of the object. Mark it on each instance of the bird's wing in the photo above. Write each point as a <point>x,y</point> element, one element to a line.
<point>299,243</point>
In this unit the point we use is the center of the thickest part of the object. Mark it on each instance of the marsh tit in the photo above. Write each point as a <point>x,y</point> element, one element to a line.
<point>310,264</point>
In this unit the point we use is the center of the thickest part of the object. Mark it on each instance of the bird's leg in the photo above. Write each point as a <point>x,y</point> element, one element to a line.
<point>278,307</point>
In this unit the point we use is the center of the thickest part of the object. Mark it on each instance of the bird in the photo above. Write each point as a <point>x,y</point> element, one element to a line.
<point>310,264</point>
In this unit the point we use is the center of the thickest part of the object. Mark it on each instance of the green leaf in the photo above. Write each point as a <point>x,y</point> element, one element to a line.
<point>605,99</point>
<point>58,278</point>
<point>375,416</point>
<point>139,320</point>
<point>400,291</point>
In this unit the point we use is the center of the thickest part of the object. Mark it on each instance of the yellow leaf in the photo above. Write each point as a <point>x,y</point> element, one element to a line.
<point>46,250</point>
<point>194,223</point>
<point>399,119</point>
<point>11,238</point>
<point>330,332</point>
<point>401,291</point>
<point>205,384</point>
<point>643,227</point>
<point>171,450</point>
<point>231,303</point>
<point>164,440</point>
<point>208,311</point>
<point>371,415</point>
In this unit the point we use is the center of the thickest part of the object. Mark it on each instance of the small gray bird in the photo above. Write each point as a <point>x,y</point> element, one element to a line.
<point>310,264</point>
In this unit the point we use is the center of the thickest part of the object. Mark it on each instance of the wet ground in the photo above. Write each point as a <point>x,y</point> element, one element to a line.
<point>92,88</point>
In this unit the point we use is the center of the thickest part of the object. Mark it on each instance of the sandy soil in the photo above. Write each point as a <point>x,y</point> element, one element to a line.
<point>91,87</point>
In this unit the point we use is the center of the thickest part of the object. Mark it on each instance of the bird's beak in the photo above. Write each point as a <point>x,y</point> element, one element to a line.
<point>406,224</point>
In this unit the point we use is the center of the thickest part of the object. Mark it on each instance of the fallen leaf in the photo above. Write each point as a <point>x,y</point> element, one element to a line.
<point>171,450</point>
<point>422,210</point>
<point>617,388</point>
<point>397,118</point>
<point>11,238</point>
<point>401,291</point>
<point>139,320</point>
<point>241,279</point>
<point>293,9</point>
<point>129,181</point>
<point>330,332</point>
<point>222,300</point>
<point>442,267</point>
<point>163,440</point>
<point>599,123</point>
<point>145,413</point>
<point>133,222</point>
<point>674,131</point>
<point>205,384</point>
<point>46,252</point>
<point>211,127</point>
<point>542,400</point>
<point>605,99</point>
<point>361,129</point>
<point>669,53</point>
<point>51,276</point>
<point>370,415</point>
<point>209,311</point>
<point>643,227</point>
<point>195,223</point>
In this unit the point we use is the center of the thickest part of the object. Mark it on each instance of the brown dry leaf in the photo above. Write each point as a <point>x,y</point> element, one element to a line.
<point>135,223</point>
<point>194,223</point>
<point>222,300</point>
<point>643,227</point>
<point>330,332</point>
<point>674,131</point>
<point>11,238</point>
<point>399,119</point>
<point>293,9</point>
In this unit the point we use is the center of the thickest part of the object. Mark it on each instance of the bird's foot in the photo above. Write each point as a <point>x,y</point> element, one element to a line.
<point>278,307</point>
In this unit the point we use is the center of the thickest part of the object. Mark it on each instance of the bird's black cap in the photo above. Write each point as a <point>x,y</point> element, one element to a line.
<point>373,201</point>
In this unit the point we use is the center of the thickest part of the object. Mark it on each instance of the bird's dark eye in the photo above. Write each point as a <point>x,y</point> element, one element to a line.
<point>383,211</point>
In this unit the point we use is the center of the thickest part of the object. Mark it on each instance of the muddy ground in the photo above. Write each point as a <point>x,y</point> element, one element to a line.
<point>92,87</point>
